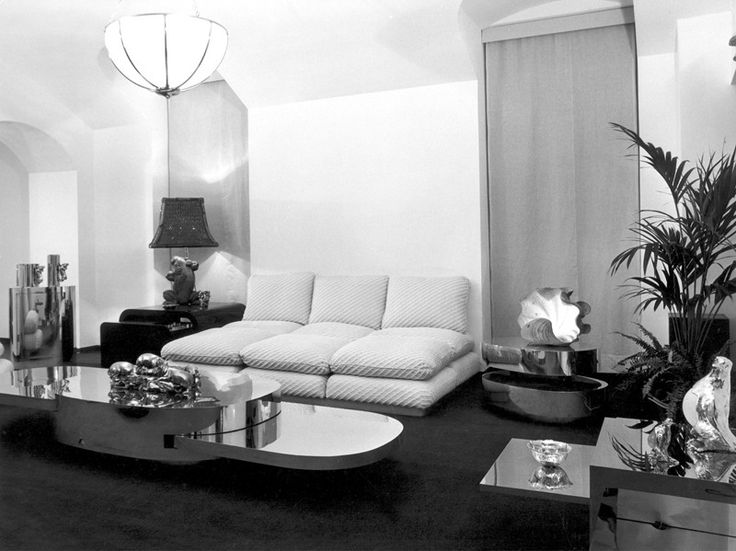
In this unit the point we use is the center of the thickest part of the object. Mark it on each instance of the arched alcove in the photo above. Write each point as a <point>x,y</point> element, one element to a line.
<point>38,211</point>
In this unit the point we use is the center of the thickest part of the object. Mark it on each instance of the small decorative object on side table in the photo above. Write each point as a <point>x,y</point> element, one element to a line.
<point>148,328</point>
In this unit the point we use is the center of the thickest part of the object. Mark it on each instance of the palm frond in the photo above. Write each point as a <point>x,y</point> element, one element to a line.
<point>686,254</point>
<point>675,174</point>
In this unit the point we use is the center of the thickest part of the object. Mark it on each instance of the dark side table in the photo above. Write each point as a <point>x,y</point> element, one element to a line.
<point>148,328</point>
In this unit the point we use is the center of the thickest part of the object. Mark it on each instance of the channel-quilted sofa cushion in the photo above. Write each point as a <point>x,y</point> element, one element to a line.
<point>279,297</point>
<point>305,350</point>
<point>460,343</point>
<point>356,300</point>
<point>440,302</point>
<point>222,346</point>
<point>396,357</point>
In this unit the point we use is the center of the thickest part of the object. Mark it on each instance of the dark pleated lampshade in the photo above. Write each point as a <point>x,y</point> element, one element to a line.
<point>182,223</point>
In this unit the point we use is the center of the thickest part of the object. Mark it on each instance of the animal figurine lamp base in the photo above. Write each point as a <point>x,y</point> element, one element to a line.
<point>183,290</point>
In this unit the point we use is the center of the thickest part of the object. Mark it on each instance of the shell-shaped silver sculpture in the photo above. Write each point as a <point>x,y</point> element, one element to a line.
<point>548,316</point>
<point>706,407</point>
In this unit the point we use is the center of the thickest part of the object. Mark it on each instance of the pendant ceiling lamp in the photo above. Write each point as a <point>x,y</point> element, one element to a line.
<point>166,53</point>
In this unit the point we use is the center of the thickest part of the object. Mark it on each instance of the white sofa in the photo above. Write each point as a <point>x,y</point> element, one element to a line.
<point>392,344</point>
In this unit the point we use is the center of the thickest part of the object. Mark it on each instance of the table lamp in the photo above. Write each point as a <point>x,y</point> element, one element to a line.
<point>182,224</point>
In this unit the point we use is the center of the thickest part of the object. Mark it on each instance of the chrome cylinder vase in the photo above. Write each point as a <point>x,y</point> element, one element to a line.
<point>41,318</point>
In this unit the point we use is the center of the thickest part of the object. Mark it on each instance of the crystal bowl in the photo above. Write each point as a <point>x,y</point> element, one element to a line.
<point>549,452</point>
<point>549,477</point>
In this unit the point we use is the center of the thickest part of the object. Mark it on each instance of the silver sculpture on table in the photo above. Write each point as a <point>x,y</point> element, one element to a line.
<point>706,407</point>
<point>41,318</point>
<point>152,382</point>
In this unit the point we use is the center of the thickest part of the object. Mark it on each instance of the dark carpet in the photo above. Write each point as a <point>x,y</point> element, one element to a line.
<point>425,496</point>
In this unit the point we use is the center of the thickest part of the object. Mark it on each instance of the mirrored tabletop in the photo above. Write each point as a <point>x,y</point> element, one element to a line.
<point>635,446</point>
<point>515,471</point>
<point>33,387</point>
<point>233,416</point>
<point>310,437</point>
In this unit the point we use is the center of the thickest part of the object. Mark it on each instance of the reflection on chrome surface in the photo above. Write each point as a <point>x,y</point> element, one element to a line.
<point>662,439</point>
<point>41,325</point>
<point>706,406</point>
<point>716,466</point>
<point>549,477</point>
<point>42,383</point>
<point>251,424</point>
<point>672,450</point>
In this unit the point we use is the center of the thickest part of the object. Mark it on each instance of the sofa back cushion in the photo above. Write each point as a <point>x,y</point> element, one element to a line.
<point>357,300</point>
<point>279,297</point>
<point>427,302</point>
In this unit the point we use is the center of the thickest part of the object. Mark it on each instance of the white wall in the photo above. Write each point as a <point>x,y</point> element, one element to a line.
<point>13,231</point>
<point>209,159</point>
<point>52,213</point>
<point>123,181</point>
<point>707,99</point>
<point>686,102</point>
<point>381,183</point>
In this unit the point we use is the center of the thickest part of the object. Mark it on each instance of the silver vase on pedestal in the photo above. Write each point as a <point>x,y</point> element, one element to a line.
<point>41,318</point>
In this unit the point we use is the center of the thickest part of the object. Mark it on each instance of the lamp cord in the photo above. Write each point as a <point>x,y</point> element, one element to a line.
<point>168,148</point>
<point>168,156</point>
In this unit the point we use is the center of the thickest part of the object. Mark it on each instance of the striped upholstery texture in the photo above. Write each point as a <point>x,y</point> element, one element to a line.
<point>397,357</point>
<point>460,343</point>
<point>333,329</point>
<point>300,353</point>
<point>358,300</point>
<point>273,327</point>
<point>403,393</point>
<point>218,346</point>
<point>280,297</point>
<point>306,350</point>
<point>395,392</point>
<point>427,302</point>
<point>294,384</point>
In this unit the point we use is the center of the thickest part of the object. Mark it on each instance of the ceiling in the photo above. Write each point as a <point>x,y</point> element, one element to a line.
<point>279,50</point>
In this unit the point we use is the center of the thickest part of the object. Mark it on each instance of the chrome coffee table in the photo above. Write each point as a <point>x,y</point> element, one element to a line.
<point>247,422</point>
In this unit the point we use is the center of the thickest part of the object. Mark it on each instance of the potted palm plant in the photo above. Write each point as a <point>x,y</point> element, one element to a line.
<point>688,258</point>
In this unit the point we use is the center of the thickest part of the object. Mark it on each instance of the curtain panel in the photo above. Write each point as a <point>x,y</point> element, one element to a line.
<point>564,187</point>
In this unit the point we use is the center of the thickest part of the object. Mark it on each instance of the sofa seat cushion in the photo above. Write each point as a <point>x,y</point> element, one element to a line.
<point>279,297</point>
<point>427,302</point>
<point>305,385</point>
<point>393,392</point>
<point>403,393</point>
<point>356,300</point>
<point>306,350</point>
<point>393,356</point>
<point>222,345</point>
<point>460,343</point>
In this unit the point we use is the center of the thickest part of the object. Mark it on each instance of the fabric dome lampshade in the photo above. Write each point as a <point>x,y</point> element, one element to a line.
<point>166,53</point>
